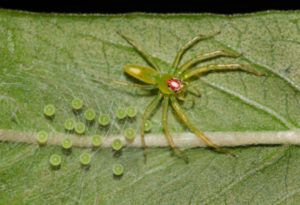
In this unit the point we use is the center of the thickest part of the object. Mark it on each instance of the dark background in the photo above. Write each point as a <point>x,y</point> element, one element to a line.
<point>125,6</point>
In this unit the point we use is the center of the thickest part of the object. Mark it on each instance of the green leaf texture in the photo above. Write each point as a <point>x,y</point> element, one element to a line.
<point>50,58</point>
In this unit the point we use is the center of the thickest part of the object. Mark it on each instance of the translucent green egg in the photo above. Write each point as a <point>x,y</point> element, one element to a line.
<point>104,119</point>
<point>77,104</point>
<point>79,128</point>
<point>121,113</point>
<point>131,111</point>
<point>55,160</point>
<point>69,124</point>
<point>66,143</point>
<point>117,144</point>
<point>118,169</point>
<point>148,125</point>
<point>129,134</point>
<point>89,114</point>
<point>42,137</point>
<point>49,110</point>
<point>96,141</point>
<point>85,158</point>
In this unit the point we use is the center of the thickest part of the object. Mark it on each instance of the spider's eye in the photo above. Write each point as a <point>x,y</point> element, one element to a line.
<point>174,84</point>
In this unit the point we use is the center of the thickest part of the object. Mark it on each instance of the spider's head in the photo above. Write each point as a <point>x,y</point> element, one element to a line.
<point>168,84</point>
<point>175,85</point>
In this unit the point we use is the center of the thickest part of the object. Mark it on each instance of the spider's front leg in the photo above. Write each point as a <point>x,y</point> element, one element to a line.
<point>189,44</point>
<point>185,119</point>
<point>165,125</point>
<point>203,57</point>
<point>180,96</point>
<point>196,89</point>
<point>220,67</point>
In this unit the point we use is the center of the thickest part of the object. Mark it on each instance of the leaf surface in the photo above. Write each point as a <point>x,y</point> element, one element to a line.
<point>50,58</point>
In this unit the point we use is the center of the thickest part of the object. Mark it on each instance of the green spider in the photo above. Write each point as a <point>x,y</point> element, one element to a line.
<point>172,86</point>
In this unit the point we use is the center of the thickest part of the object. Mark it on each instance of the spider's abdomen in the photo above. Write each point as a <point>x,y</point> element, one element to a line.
<point>174,84</point>
<point>145,74</point>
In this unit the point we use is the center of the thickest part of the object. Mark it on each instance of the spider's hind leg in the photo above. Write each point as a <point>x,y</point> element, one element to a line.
<point>167,132</point>
<point>141,50</point>
<point>184,118</point>
<point>123,83</point>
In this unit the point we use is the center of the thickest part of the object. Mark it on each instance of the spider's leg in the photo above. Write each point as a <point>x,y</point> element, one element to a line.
<point>220,67</point>
<point>185,119</point>
<point>189,44</point>
<point>197,90</point>
<point>165,125</point>
<point>141,50</point>
<point>193,87</point>
<point>185,99</point>
<point>146,87</point>
<point>148,110</point>
<point>206,56</point>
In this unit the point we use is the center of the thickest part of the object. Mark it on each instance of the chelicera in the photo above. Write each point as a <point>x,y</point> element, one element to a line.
<point>171,86</point>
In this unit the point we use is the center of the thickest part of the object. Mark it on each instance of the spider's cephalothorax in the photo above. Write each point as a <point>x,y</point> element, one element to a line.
<point>170,85</point>
<point>174,84</point>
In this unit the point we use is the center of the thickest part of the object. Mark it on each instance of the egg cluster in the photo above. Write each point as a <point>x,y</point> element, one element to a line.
<point>72,126</point>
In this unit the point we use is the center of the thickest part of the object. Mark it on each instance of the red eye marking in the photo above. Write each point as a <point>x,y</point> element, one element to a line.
<point>174,84</point>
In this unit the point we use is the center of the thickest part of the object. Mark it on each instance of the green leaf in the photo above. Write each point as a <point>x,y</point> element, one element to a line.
<point>50,58</point>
